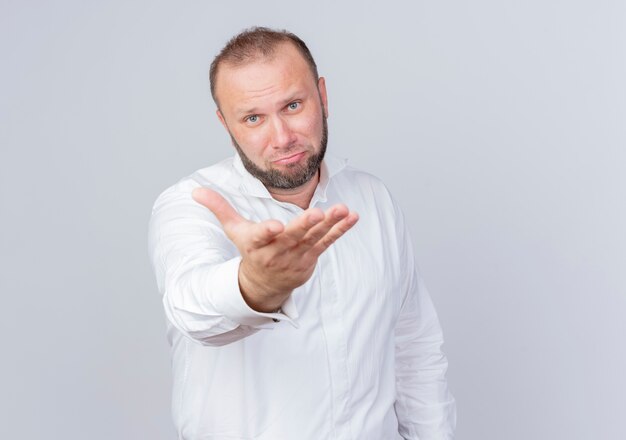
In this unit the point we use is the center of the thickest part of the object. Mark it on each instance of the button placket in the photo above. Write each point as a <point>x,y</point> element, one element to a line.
<point>337,347</point>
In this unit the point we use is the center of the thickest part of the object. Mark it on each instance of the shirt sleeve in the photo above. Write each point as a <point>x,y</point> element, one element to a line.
<point>196,268</point>
<point>425,408</point>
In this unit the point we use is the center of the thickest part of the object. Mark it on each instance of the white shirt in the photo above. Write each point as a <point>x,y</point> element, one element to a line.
<point>355,352</point>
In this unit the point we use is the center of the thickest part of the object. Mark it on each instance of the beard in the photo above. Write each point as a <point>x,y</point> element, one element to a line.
<point>298,175</point>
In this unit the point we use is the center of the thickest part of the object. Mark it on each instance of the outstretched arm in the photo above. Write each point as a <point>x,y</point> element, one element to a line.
<point>221,275</point>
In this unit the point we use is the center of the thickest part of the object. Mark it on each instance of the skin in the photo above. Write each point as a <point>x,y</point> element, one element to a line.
<point>274,110</point>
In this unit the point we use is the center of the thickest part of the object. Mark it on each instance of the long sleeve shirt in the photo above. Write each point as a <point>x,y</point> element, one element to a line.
<point>354,353</point>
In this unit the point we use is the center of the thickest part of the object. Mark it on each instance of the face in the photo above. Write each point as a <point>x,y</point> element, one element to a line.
<point>275,112</point>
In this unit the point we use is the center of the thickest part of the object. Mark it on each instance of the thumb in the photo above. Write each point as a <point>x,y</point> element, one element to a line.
<point>218,205</point>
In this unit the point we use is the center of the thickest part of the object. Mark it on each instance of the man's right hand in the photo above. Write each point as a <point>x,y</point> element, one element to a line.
<point>277,258</point>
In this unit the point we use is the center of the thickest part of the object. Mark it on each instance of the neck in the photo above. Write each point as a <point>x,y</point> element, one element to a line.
<point>300,196</point>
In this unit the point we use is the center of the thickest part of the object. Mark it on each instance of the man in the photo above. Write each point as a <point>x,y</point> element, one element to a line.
<point>289,315</point>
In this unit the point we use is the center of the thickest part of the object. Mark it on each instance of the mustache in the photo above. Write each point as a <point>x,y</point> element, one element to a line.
<point>280,154</point>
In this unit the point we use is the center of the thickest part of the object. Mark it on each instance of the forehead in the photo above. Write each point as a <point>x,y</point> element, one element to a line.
<point>284,71</point>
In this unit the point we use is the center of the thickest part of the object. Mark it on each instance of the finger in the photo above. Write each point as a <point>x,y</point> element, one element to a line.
<point>218,205</point>
<point>335,233</point>
<point>333,216</point>
<point>263,233</point>
<point>298,227</point>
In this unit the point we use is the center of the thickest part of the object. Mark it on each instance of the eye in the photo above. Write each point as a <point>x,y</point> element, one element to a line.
<point>252,119</point>
<point>293,106</point>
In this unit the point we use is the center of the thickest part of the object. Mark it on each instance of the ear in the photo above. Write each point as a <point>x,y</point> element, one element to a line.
<point>321,86</point>
<point>220,116</point>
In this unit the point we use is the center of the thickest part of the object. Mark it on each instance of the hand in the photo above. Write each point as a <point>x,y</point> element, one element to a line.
<point>277,258</point>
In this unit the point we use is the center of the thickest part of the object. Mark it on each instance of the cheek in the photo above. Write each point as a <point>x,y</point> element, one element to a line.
<point>309,127</point>
<point>253,142</point>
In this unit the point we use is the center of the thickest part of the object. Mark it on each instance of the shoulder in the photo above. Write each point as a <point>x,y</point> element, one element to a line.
<point>358,175</point>
<point>216,176</point>
<point>367,194</point>
<point>357,181</point>
<point>175,212</point>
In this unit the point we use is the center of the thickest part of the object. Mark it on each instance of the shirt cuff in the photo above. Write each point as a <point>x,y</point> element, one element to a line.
<point>231,304</point>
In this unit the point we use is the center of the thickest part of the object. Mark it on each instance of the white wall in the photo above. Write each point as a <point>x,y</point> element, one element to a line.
<point>499,125</point>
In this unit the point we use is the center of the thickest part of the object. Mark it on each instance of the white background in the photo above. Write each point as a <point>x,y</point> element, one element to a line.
<point>500,126</point>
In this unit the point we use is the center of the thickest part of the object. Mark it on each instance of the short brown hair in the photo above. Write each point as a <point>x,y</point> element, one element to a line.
<point>254,43</point>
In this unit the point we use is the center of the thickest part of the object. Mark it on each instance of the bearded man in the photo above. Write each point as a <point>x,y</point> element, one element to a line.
<point>290,316</point>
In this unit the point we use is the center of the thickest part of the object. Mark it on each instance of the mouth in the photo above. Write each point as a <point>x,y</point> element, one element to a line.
<point>292,158</point>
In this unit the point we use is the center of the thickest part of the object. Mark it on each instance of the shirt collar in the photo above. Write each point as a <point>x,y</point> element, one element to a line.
<point>331,166</point>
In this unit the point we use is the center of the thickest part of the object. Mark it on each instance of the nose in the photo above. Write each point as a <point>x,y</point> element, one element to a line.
<point>282,135</point>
